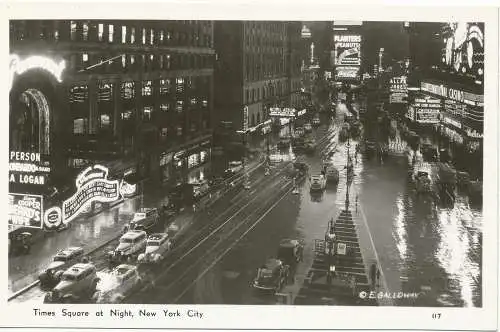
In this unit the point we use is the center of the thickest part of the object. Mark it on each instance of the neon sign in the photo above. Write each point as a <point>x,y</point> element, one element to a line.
<point>25,166</point>
<point>52,217</point>
<point>19,67</point>
<point>347,50</point>
<point>25,210</point>
<point>92,186</point>
<point>347,72</point>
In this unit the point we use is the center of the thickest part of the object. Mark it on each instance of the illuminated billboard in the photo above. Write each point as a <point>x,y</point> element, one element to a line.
<point>346,73</point>
<point>463,49</point>
<point>25,210</point>
<point>347,50</point>
<point>27,168</point>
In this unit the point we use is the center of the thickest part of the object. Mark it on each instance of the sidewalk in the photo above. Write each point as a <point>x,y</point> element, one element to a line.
<point>91,232</point>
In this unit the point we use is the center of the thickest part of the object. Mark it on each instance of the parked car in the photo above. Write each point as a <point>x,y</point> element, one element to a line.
<point>131,244</point>
<point>77,284</point>
<point>157,246</point>
<point>119,283</point>
<point>234,167</point>
<point>61,261</point>
<point>144,220</point>
<point>272,275</point>
<point>200,188</point>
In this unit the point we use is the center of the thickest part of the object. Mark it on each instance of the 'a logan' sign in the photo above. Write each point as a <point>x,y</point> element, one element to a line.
<point>92,186</point>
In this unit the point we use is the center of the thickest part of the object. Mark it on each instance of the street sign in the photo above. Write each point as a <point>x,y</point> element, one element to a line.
<point>341,248</point>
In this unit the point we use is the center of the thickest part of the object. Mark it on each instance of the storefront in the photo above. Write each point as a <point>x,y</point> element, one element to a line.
<point>190,165</point>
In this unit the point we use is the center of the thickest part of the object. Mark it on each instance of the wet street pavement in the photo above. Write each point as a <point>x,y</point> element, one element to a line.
<point>420,248</point>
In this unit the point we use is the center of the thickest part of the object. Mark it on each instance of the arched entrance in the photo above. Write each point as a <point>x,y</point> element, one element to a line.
<point>30,122</point>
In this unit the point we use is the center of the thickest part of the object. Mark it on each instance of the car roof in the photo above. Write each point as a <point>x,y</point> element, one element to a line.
<point>133,234</point>
<point>272,263</point>
<point>289,243</point>
<point>157,236</point>
<point>78,268</point>
<point>124,268</point>
<point>69,251</point>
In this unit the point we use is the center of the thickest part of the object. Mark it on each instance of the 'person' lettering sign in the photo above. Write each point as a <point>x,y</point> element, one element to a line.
<point>92,186</point>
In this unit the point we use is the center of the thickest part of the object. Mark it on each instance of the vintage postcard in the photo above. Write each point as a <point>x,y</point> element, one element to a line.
<point>292,166</point>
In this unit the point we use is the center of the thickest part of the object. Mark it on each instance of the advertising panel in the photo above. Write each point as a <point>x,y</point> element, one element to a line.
<point>463,49</point>
<point>427,110</point>
<point>347,50</point>
<point>92,186</point>
<point>346,73</point>
<point>453,94</point>
<point>282,112</point>
<point>25,210</point>
<point>245,118</point>
<point>399,90</point>
<point>27,168</point>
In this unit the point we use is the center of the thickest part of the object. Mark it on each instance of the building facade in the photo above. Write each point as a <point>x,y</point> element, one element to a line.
<point>258,67</point>
<point>136,92</point>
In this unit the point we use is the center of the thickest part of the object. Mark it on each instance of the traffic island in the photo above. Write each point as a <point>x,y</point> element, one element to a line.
<point>338,273</point>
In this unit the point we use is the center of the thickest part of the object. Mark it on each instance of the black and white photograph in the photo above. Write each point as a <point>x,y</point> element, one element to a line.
<point>331,162</point>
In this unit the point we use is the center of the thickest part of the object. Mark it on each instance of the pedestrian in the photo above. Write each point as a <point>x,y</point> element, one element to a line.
<point>378,277</point>
<point>373,274</point>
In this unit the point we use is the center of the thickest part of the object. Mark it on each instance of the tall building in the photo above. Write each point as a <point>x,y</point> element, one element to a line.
<point>258,67</point>
<point>97,92</point>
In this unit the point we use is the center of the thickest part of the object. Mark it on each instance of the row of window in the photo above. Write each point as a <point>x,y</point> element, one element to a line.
<point>197,87</point>
<point>253,95</point>
<point>103,63</point>
<point>174,35</point>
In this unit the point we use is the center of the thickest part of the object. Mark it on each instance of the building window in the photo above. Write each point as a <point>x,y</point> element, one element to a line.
<point>132,59</point>
<point>127,115</point>
<point>111,31</point>
<point>124,34</point>
<point>144,36</point>
<point>146,111</point>
<point>180,106</point>
<point>147,88</point>
<point>164,132</point>
<point>85,31</point>
<point>165,107</point>
<point>100,32</point>
<point>105,121</point>
<point>73,30</point>
<point>179,85</point>
<point>124,60</point>
<point>128,90</point>
<point>165,86</point>
<point>56,34</point>
<point>151,37</point>
<point>193,101</point>
<point>179,131</point>
<point>80,126</point>
<point>167,61</point>
<point>204,103</point>
<point>132,35</point>
<point>162,35</point>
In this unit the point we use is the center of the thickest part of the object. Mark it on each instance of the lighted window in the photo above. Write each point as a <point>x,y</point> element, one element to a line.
<point>85,31</point>
<point>204,103</point>
<point>56,34</point>
<point>128,90</point>
<point>127,115</point>
<point>180,105</point>
<point>144,36</point>
<point>165,107</point>
<point>85,57</point>
<point>151,36</point>
<point>162,61</point>
<point>162,35</point>
<point>73,30</point>
<point>124,34</point>
<point>193,101</point>
<point>147,88</point>
<point>167,61</point>
<point>132,35</point>
<point>111,31</point>
<point>100,31</point>
<point>146,111</point>
<point>164,132</point>
<point>79,126</point>
<point>105,121</point>
<point>179,132</point>
<point>132,59</point>
<point>124,60</point>
<point>179,84</point>
<point>164,86</point>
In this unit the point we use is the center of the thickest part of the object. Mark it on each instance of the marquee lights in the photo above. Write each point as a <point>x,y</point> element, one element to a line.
<point>19,67</point>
